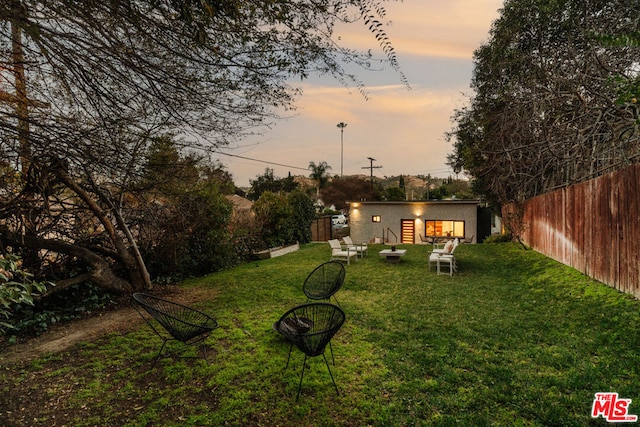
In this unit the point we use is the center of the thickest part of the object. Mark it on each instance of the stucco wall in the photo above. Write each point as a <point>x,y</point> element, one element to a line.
<point>362,228</point>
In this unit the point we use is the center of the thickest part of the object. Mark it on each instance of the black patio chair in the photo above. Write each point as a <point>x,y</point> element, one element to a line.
<point>324,281</point>
<point>179,322</point>
<point>310,327</point>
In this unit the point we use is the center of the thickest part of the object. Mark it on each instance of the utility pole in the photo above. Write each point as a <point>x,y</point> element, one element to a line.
<point>341,125</point>
<point>20,100</point>
<point>371,160</point>
<point>22,110</point>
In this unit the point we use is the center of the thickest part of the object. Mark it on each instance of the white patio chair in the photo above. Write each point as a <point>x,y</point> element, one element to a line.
<point>453,244</point>
<point>360,248</point>
<point>441,260</point>
<point>444,257</point>
<point>339,252</point>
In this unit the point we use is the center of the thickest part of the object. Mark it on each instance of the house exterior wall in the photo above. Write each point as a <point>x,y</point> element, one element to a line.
<point>363,229</point>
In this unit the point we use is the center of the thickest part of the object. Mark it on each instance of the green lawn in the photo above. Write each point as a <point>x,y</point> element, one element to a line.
<point>512,339</point>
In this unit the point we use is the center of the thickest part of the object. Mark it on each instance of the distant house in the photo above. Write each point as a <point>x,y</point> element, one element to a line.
<point>418,222</point>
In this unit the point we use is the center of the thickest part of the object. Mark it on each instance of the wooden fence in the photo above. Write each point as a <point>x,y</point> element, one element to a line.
<point>593,226</point>
<point>321,230</point>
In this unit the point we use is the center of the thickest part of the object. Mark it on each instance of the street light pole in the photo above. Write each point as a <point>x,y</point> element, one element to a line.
<point>341,125</point>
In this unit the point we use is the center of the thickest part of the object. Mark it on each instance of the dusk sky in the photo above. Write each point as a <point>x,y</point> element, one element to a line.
<point>403,130</point>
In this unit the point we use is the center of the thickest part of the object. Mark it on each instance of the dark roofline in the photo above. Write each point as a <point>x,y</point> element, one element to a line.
<point>417,202</point>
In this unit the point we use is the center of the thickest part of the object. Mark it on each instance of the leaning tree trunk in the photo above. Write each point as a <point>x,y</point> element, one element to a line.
<point>134,265</point>
<point>137,256</point>
<point>100,271</point>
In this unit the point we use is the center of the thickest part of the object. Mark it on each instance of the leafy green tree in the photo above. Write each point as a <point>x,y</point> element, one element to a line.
<point>271,183</point>
<point>284,218</point>
<point>461,189</point>
<point>439,193</point>
<point>167,171</point>
<point>628,84</point>
<point>348,189</point>
<point>394,194</point>
<point>189,237</point>
<point>273,213</point>
<point>181,214</point>
<point>548,109</point>
<point>87,87</point>
<point>304,212</point>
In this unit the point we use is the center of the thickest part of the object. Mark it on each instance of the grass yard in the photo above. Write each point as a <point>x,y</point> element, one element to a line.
<point>513,339</point>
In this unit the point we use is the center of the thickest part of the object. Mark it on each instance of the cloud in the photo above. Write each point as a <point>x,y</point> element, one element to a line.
<point>404,130</point>
<point>430,28</point>
<point>390,101</point>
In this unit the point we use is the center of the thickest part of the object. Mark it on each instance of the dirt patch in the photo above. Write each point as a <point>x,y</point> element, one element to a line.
<point>61,337</point>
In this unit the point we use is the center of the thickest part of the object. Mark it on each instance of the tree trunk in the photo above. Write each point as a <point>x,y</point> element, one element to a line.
<point>100,271</point>
<point>140,272</point>
<point>134,266</point>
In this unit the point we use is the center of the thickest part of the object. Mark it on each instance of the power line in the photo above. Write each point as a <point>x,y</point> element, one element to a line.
<point>261,161</point>
<point>435,172</point>
<point>306,169</point>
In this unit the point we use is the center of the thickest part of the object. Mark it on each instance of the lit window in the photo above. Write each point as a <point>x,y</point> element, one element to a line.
<point>444,228</point>
<point>376,218</point>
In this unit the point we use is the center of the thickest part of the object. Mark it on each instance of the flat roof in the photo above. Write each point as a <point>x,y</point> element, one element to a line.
<point>418,202</point>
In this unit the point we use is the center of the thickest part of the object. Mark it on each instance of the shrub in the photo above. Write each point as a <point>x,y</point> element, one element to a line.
<point>303,215</point>
<point>71,303</point>
<point>498,238</point>
<point>16,287</point>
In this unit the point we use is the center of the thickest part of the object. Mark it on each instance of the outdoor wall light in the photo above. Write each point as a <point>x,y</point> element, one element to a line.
<point>376,218</point>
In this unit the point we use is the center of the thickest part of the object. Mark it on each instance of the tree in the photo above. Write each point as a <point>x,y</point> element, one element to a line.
<point>85,87</point>
<point>284,218</point>
<point>547,110</point>
<point>271,183</point>
<point>627,85</point>
<point>273,214</point>
<point>319,174</point>
<point>180,214</point>
<point>461,189</point>
<point>439,193</point>
<point>394,194</point>
<point>342,190</point>
<point>304,212</point>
